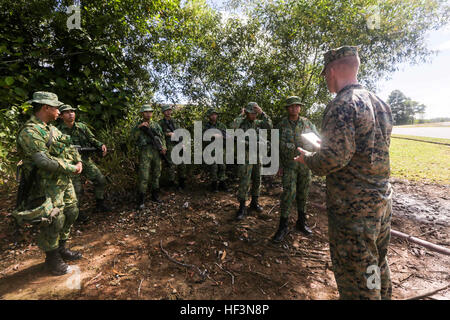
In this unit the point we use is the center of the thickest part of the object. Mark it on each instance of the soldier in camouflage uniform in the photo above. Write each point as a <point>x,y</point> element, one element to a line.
<point>250,173</point>
<point>168,126</point>
<point>48,154</point>
<point>217,171</point>
<point>354,157</point>
<point>82,136</point>
<point>296,176</point>
<point>149,158</point>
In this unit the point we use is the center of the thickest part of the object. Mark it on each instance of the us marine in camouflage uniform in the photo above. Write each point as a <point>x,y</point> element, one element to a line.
<point>149,156</point>
<point>49,162</point>
<point>168,126</point>
<point>218,176</point>
<point>250,173</point>
<point>354,157</point>
<point>82,136</point>
<point>296,176</point>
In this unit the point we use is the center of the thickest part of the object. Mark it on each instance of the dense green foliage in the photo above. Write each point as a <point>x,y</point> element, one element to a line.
<point>403,108</point>
<point>171,51</point>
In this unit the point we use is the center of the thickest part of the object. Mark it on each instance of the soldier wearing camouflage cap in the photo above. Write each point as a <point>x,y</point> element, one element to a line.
<point>82,136</point>
<point>46,194</point>
<point>218,176</point>
<point>250,173</point>
<point>296,177</point>
<point>354,156</point>
<point>149,158</point>
<point>168,126</point>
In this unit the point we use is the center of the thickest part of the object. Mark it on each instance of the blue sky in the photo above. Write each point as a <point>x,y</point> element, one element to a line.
<point>427,83</point>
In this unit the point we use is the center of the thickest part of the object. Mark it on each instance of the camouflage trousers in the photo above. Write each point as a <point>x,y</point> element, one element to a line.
<point>92,173</point>
<point>64,198</point>
<point>175,170</point>
<point>149,169</point>
<point>295,187</point>
<point>358,249</point>
<point>217,172</point>
<point>249,173</point>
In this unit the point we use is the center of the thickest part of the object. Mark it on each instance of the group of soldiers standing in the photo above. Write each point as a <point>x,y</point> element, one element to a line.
<point>354,155</point>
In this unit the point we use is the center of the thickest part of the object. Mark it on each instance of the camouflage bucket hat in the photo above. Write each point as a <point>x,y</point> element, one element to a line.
<point>336,54</point>
<point>48,98</point>
<point>293,100</point>
<point>146,107</point>
<point>251,107</point>
<point>38,214</point>
<point>66,107</point>
<point>166,107</point>
<point>211,111</point>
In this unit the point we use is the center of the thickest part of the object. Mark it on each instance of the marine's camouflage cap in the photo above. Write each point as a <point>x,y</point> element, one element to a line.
<point>251,107</point>
<point>48,98</point>
<point>336,54</point>
<point>66,107</point>
<point>211,111</point>
<point>293,100</point>
<point>166,107</point>
<point>36,214</point>
<point>146,107</point>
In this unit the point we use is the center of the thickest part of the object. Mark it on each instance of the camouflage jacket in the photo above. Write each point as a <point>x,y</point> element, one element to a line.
<point>143,139</point>
<point>241,122</point>
<point>291,138</point>
<point>55,162</point>
<point>354,153</point>
<point>169,126</point>
<point>81,135</point>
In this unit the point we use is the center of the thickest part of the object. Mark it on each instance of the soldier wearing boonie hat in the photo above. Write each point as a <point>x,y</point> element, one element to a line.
<point>168,126</point>
<point>354,156</point>
<point>250,173</point>
<point>46,194</point>
<point>149,156</point>
<point>82,136</point>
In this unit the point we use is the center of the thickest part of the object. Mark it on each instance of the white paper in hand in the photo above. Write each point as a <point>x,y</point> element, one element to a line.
<point>312,138</point>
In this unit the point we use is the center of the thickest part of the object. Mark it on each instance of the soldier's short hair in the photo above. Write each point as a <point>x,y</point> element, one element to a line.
<point>36,107</point>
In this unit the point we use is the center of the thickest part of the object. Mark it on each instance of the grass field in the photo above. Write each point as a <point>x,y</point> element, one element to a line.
<point>420,161</point>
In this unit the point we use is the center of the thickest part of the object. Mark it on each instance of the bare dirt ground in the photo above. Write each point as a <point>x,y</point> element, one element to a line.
<point>132,255</point>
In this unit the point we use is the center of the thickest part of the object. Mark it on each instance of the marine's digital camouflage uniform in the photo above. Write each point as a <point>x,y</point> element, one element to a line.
<point>354,156</point>
<point>149,158</point>
<point>81,135</point>
<point>216,170</point>
<point>55,167</point>
<point>296,176</point>
<point>173,169</point>
<point>250,173</point>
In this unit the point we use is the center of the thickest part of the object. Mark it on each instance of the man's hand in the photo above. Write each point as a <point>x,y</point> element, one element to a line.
<point>79,167</point>
<point>301,157</point>
<point>243,111</point>
<point>169,134</point>
<point>258,109</point>
<point>280,172</point>
<point>163,151</point>
<point>143,124</point>
<point>104,150</point>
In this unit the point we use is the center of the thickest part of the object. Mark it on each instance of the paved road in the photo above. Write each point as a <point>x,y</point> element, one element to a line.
<point>431,132</point>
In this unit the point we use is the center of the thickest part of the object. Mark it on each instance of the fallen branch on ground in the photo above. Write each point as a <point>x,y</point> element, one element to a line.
<point>428,293</point>
<point>423,243</point>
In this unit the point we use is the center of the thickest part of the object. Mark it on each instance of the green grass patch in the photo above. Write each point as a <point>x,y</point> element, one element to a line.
<point>441,140</point>
<point>421,125</point>
<point>420,161</point>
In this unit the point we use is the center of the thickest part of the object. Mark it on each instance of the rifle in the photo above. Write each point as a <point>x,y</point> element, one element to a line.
<point>88,150</point>
<point>155,142</point>
<point>25,183</point>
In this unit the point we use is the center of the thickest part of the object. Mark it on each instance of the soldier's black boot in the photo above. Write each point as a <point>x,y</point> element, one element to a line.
<point>223,186</point>
<point>66,254</point>
<point>155,196</point>
<point>301,224</point>
<point>282,230</point>
<point>182,183</point>
<point>254,205</point>
<point>141,201</point>
<point>215,186</point>
<point>242,212</point>
<point>54,263</point>
<point>101,206</point>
